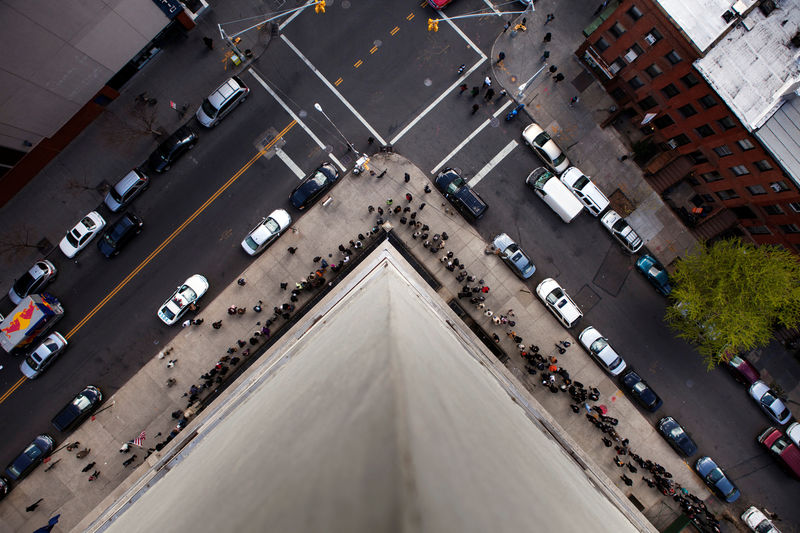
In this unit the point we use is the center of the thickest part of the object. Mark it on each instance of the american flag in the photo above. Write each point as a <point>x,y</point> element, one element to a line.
<point>138,441</point>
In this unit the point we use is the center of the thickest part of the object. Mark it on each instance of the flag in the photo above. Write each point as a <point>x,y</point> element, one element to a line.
<point>138,441</point>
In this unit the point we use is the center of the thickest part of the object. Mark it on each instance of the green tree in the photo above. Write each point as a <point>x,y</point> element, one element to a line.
<point>728,296</point>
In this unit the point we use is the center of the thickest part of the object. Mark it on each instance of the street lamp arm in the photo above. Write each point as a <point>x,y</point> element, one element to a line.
<point>279,15</point>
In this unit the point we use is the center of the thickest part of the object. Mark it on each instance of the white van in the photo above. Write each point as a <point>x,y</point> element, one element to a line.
<point>555,194</point>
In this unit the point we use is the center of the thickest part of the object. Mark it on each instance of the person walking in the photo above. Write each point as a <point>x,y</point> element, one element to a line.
<point>502,93</point>
<point>475,108</point>
<point>475,91</point>
<point>209,42</point>
<point>558,77</point>
<point>553,68</point>
<point>241,282</point>
<point>463,87</point>
<point>487,81</point>
<point>547,37</point>
<point>489,94</point>
<point>549,17</point>
<point>500,58</point>
<point>32,507</point>
<point>506,26</point>
<point>292,250</point>
<point>573,101</point>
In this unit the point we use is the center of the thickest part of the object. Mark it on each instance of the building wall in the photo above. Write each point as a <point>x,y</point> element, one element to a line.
<point>730,169</point>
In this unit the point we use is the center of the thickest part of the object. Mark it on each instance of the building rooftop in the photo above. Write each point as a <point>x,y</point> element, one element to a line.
<point>380,412</point>
<point>701,20</point>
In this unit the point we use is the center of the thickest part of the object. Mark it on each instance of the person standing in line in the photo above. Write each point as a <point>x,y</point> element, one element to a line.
<point>558,77</point>
<point>291,250</point>
<point>489,94</point>
<point>475,91</point>
<point>547,37</point>
<point>506,26</point>
<point>500,58</point>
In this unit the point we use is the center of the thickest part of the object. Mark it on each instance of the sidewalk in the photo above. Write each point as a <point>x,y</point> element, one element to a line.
<point>145,402</point>
<point>592,149</point>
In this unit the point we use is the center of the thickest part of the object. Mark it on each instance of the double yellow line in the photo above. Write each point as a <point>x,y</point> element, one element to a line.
<point>161,246</point>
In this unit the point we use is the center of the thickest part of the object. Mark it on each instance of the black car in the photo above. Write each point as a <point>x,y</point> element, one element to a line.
<point>676,436</point>
<point>314,186</point>
<point>30,457</point>
<point>3,487</point>
<point>458,193</point>
<point>171,149</point>
<point>119,233</point>
<point>78,409</point>
<point>640,390</point>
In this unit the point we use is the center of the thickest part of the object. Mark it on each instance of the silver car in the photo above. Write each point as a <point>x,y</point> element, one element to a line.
<point>622,231</point>
<point>266,231</point>
<point>32,281</point>
<point>770,403</point>
<point>43,356</point>
<point>514,257</point>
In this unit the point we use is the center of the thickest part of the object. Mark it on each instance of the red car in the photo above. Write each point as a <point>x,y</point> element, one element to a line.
<point>742,371</point>
<point>438,4</point>
<point>782,449</point>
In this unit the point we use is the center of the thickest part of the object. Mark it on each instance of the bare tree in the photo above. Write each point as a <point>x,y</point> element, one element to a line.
<point>17,241</point>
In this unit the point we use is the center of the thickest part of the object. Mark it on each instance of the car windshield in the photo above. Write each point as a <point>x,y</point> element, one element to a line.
<point>271,225</point>
<point>541,180</point>
<point>554,296</point>
<point>319,178</point>
<point>654,271</point>
<point>32,362</point>
<point>768,399</point>
<point>455,185</point>
<point>167,312</point>
<point>22,284</point>
<point>715,475</point>
<point>779,445</point>
<point>676,433</point>
<point>33,451</point>
<point>541,139</point>
<point>81,402</point>
<point>187,293</point>
<point>640,387</point>
<point>619,225</point>
<point>209,109</point>
<point>72,237</point>
<point>615,363</point>
<point>598,345</point>
<point>251,243</point>
<point>560,159</point>
<point>580,183</point>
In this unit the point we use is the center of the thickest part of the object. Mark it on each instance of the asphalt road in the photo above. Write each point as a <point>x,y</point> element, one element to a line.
<point>403,70</point>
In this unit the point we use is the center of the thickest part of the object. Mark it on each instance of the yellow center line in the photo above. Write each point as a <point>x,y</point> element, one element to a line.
<point>410,16</point>
<point>163,245</point>
<point>373,50</point>
<point>394,30</point>
<point>337,82</point>
<point>358,63</point>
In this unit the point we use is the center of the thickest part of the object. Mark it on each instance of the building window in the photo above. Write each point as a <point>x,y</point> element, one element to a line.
<point>647,103</point>
<point>687,111</point>
<point>745,144</point>
<point>789,228</point>
<point>616,30</point>
<point>795,206</point>
<point>707,101</point>
<point>690,80</point>
<point>739,170</point>
<point>779,186</point>
<point>707,198</point>
<point>704,131</point>
<point>635,83</point>
<point>617,65</point>
<point>723,150</point>
<point>618,94</point>
<point>758,230</point>
<point>726,123</point>
<point>680,140</point>
<point>711,176</point>
<point>727,194</point>
<point>763,165</point>
<point>756,190</point>
<point>654,70</point>
<point>773,209</point>
<point>698,157</point>
<point>653,36</point>
<point>634,52</point>
<point>601,44</point>
<point>670,90</point>
<point>673,57</point>
<point>634,13</point>
<point>663,121</point>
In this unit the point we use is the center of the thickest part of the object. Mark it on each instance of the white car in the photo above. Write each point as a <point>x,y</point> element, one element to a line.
<point>43,355</point>
<point>546,148</point>
<point>558,302</point>
<point>622,231</point>
<point>757,521</point>
<point>769,402</point>
<point>266,231</point>
<point>587,192</point>
<point>602,352</point>
<point>793,432</point>
<point>184,297</point>
<point>84,231</point>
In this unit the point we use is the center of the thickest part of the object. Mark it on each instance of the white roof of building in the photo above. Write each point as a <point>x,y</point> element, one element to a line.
<point>380,412</point>
<point>781,136</point>
<point>701,20</point>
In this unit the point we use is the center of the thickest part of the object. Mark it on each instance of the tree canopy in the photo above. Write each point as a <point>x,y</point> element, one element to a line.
<point>728,296</point>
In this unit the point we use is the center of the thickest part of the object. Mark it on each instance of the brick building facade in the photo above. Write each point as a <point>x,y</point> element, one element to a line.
<point>705,163</point>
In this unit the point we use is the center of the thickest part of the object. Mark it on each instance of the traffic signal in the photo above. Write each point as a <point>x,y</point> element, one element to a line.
<point>433,25</point>
<point>320,7</point>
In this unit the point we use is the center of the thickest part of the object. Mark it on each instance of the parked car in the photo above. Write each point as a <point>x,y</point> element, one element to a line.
<point>793,432</point>
<point>554,193</point>
<point>758,521</point>
<point>558,302</point>
<point>742,370</point>
<point>770,403</point>
<point>782,449</point>
<point>77,410</point>
<point>715,478</point>
<point>172,149</point>
<point>622,231</point>
<point>513,256</point>
<point>602,352</point>
<point>184,297</point>
<point>30,457</point>
<point>587,192</point>
<point>266,232</point>
<point>545,147</point>
<point>119,234</point>
<point>640,390</point>
<point>4,487</point>
<point>464,199</point>
<point>43,356</point>
<point>313,186</point>
<point>655,273</point>
<point>79,236</point>
<point>126,189</point>
<point>222,101</point>
<point>32,281</point>
<point>676,436</point>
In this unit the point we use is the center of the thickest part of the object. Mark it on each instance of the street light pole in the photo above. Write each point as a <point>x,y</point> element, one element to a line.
<point>319,108</point>
<point>525,85</point>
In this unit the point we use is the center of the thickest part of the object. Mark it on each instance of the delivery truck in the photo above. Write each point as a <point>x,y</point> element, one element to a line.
<point>32,318</point>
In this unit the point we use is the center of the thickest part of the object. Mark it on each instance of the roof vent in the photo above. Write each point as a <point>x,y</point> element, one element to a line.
<point>767,7</point>
<point>796,40</point>
<point>728,16</point>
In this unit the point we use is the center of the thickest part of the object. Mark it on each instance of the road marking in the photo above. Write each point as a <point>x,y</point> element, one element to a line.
<point>491,6</point>
<point>470,137</point>
<point>373,50</point>
<point>163,245</point>
<point>295,117</point>
<point>395,30</point>
<point>296,13</point>
<point>358,63</point>
<point>337,82</point>
<point>493,163</point>
<point>410,16</point>
<point>289,163</point>
<point>341,98</point>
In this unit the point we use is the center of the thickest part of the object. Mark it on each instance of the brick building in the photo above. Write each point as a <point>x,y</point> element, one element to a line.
<point>707,90</point>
